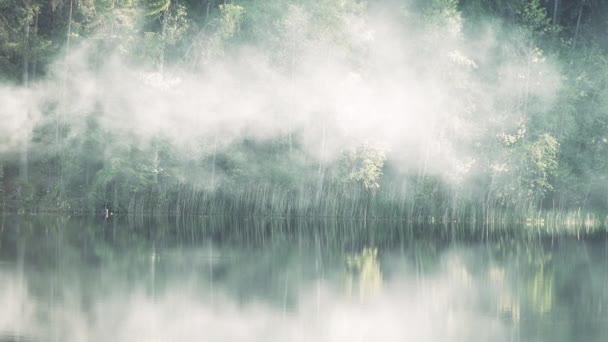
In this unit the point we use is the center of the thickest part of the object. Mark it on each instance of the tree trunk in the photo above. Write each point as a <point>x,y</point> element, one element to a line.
<point>34,64</point>
<point>24,161</point>
<point>26,52</point>
<point>23,164</point>
<point>57,116</point>
<point>69,33</point>
<point>156,165</point>
<point>578,23</point>
<point>115,200</point>
<point>214,161</point>
<point>163,24</point>
<point>209,2</point>
<point>555,9</point>
<point>112,19</point>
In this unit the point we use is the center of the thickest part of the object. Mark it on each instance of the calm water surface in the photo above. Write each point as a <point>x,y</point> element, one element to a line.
<point>94,280</point>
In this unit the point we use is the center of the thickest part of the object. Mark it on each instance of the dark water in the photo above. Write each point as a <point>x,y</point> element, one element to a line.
<point>123,280</point>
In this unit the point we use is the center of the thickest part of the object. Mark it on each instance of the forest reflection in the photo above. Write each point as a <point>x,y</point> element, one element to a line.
<point>73,279</point>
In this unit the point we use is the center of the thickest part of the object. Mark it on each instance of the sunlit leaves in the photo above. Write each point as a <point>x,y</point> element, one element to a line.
<point>155,8</point>
<point>540,163</point>
<point>526,172</point>
<point>211,42</point>
<point>365,266</point>
<point>444,17</point>
<point>534,17</point>
<point>177,24</point>
<point>363,166</point>
<point>225,26</point>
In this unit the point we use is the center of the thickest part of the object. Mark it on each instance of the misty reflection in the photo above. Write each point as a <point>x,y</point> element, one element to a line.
<point>76,280</point>
<point>363,271</point>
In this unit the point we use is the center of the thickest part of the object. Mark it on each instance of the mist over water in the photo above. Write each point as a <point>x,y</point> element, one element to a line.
<point>97,281</point>
<point>315,170</point>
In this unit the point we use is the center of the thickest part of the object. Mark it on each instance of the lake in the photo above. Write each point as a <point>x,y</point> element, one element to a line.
<point>144,279</point>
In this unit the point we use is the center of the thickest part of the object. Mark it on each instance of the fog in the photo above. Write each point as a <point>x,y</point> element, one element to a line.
<point>468,121</point>
<point>426,92</point>
<point>443,305</point>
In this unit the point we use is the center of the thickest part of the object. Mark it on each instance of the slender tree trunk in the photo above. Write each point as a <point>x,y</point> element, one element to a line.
<point>156,165</point>
<point>23,169</point>
<point>87,173</point>
<point>63,96</point>
<point>2,195</point>
<point>555,9</point>
<point>34,61</point>
<point>163,25</point>
<point>69,33</point>
<point>214,161</point>
<point>26,53</point>
<point>115,200</point>
<point>24,161</point>
<point>161,70</point>
<point>527,85</point>
<point>161,66</point>
<point>323,142</point>
<point>292,68</point>
<point>65,71</point>
<point>578,23</point>
<point>112,19</point>
<point>209,2</point>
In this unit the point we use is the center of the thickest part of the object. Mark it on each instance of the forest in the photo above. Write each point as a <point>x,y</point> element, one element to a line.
<point>424,110</point>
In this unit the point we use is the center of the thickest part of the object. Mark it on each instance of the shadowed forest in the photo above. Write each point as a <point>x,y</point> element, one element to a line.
<point>428,111</point>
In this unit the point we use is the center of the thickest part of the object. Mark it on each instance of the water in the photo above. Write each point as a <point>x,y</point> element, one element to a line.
<point>250,280</point>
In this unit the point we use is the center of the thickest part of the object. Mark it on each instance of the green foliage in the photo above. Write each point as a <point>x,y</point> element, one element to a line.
<point>539,166</point>
<point>114,23</point>
<point>556,150</point>
<point>533,16</point>
<point>18,37</point>
<point>362,166</point>
<point>444,17</point>
<point>150,49</point>
<point>211,41</point>
<point>523,175</point>
<point>225,26</point>
<point>177,24</point>
<point>155,8</point>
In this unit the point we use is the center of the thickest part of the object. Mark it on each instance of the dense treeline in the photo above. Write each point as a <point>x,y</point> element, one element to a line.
<point>523,151</point>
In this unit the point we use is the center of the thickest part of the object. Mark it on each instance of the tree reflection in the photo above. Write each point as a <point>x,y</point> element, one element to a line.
<point>363,273</point>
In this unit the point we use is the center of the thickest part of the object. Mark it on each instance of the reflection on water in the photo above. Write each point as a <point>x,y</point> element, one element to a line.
<point>86,280</point>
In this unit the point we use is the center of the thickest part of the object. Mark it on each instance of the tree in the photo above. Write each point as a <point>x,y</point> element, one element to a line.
<point>362,167</point>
